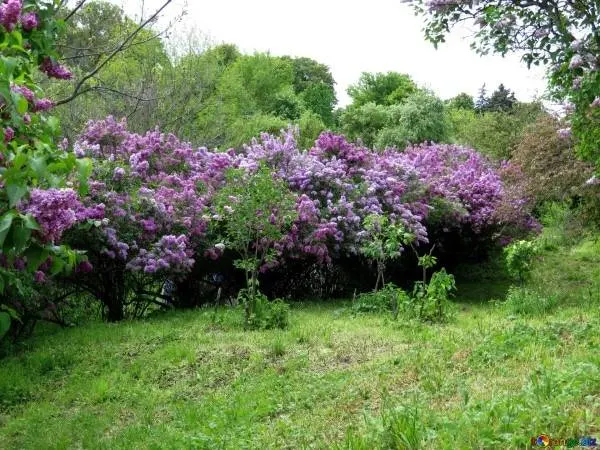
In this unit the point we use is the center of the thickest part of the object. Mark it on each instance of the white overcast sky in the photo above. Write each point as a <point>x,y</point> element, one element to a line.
<point>353,36</point>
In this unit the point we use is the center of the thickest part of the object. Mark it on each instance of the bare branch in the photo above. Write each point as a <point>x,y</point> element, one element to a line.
<point>74,10</point>
<point>77,90</point>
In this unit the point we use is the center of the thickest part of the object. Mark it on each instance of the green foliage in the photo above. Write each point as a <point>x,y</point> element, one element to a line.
<point>384,243</point>
<point>495,134</point>
<point>319,99</point>
<point>528,302</point>
<point>431,301</point>
<point>311,126</point>
<point>585,121</point>
<point>29,152</point>
<point>5,321</point>
<point>551,168</point>
<point>519,257</point>
<point>462,101</point>
<point>244,129</point>
<point>363,122</point>
<point>562,36</point>
<point>501,100</point>
<point>418,118</point>
<point>264,314</point>
<point>255,211</point>
<point>421,117</point>
<point>387,299</point>
<point>138,83</point>
<point>381,88</point>
<point>563,225</point>
<point>263,93</point>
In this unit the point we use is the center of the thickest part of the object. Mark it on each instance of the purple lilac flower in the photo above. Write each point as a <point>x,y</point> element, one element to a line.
<point>43,104</point>
<point>54,70</point>
<point>10,11</point>
<point>29,21</point>
<point>9,134</point>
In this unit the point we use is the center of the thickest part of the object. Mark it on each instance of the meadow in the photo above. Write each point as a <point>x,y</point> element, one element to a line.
<point>494,376</point>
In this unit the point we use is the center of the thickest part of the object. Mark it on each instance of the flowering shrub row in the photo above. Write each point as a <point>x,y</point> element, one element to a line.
<point>151,197</point>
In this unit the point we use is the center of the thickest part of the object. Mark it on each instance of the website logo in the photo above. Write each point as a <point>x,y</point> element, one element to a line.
<point>543,440</point>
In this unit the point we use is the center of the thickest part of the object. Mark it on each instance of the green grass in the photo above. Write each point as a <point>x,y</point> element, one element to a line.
<point>491,378</point>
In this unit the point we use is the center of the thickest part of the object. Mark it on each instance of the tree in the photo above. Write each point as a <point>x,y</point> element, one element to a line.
<point>187,88</point>
<point>495,133</point>
<point>381,88</point>
<point>462,101</point>
<point>250,89</point>
<point>562,34</point>
<point>482,99</point>
<point>502,99</point>
<point>552,171</point>
<point>254,212</point>
<point>419,119</point>
<point>319,98</point>
<point>308,72</point>
<point>121,66</point>
<point>363,122</point>
<point>384,243</point>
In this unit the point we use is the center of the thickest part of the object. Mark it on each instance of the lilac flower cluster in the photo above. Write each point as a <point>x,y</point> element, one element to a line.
<point>10,11</point>
<point>38,105</point>
<point>55,70</point>
<point>29,21</point>
<point>169,253</point>
<point>57,210</point>
<point>154,186</point>
<point>158,193</point>
<point>460,176</point>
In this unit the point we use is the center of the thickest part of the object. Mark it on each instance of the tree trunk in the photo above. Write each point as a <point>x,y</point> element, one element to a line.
<point>114,296</point>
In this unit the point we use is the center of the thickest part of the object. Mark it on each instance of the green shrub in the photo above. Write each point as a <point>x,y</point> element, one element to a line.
<point>431,301</point>
<point>388,299</point>
<point>518,257</point>
<point>563,225</point>
<point>528,302</point>
<point>263,314</point>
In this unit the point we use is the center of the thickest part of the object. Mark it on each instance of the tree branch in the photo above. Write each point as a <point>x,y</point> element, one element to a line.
<point>117,50</point>
<point>74,11</point>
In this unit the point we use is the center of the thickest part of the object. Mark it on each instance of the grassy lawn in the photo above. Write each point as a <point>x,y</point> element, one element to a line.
<point>488,379</point>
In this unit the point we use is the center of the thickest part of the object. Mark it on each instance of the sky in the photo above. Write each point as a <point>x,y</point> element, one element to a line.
<point>352,36</point>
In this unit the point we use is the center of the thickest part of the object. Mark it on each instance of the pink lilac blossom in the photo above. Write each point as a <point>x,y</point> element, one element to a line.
<point>9,134</point>
<point>57,210</point>
<point>55,70</point>
<point>24,91</point>
<point>29,21</point>
<point>43,104</point>
<point>10,11</point>
<point>576,62</point>
<point>39,276</point>
<point>565,133</point>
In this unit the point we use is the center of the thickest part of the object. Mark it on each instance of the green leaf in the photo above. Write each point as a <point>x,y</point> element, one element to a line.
<point>54,124</point>
<point>30,222</point>
<point>5,224</point>
<point>84,170</point>
<point>4,323</point>
<point>38,165</point>
<point>58,265</point>
<point>36,255</point>
<point>15,193</point>
<point>20,236</point>
<point>21,104</point>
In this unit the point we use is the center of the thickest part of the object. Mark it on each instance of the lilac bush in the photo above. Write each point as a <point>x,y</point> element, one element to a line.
<point>157,195</point>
